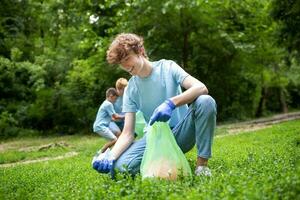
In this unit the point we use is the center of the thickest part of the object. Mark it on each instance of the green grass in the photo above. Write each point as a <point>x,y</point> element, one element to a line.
<point>259,165</point>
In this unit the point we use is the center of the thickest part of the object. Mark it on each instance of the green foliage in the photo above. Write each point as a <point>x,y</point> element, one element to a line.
<point>19,83</point>
<point>53,54</point>
<point>256,165</point>
<point>8,125</point>
<point>288,12</point>
<point>20,80</point>
<point>16,54</point>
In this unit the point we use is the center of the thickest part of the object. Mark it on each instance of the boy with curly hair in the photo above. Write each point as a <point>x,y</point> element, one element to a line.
<point>155,90</point>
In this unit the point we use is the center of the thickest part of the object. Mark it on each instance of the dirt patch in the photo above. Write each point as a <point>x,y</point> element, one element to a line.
<point>3,147</point>
<point>7,146</point>
<point>67,155</point>
<point>257,124</point>
<point>61,144</point>
<point>29,148</point>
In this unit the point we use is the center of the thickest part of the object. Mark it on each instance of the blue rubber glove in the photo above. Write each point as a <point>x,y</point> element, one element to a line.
<point>163,112</point>
<point>103,166</point>
<point>104,162</point>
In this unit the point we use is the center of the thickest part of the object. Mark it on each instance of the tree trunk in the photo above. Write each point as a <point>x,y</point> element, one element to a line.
<point>262,102</point>
<point>282,99</point>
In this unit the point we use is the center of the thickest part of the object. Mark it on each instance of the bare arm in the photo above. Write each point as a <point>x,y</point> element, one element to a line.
<point>194,88</point>
<point>127,136</point>
<point>116,117</point>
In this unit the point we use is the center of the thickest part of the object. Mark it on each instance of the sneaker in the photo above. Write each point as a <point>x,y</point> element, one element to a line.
<point>202,171</point>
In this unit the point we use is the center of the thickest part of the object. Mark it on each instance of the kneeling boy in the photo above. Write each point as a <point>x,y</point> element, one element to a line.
<point>104,124</point>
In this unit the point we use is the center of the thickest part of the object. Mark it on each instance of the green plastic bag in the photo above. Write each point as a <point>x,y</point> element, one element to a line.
<point>162,157</point>
<point>140,124</point>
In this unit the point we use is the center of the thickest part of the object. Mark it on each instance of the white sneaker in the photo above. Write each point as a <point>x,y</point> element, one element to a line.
<point>202,171</point>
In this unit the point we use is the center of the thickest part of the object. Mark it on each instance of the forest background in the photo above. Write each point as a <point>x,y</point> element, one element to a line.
<point>53,69</point>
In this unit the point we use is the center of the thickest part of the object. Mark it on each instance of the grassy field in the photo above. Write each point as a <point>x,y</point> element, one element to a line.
<point>263,164</point>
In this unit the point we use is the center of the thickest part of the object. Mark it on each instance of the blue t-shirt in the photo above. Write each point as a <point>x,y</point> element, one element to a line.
<point>145,94</point>
<point>118,104</point>
<point>104,115</point>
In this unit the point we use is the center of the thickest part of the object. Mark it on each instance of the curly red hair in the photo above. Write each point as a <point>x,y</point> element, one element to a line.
<point>123,45</point>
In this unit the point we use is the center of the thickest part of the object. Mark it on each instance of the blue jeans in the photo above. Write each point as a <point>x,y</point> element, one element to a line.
<point>197,127</point>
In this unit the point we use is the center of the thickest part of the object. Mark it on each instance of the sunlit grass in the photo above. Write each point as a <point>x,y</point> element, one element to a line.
<point>256,165</point>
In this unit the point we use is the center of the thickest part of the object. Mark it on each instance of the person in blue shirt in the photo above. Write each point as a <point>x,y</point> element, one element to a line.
<point>155,90</point>
<point>104,124</point>
<point>121,83</point>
